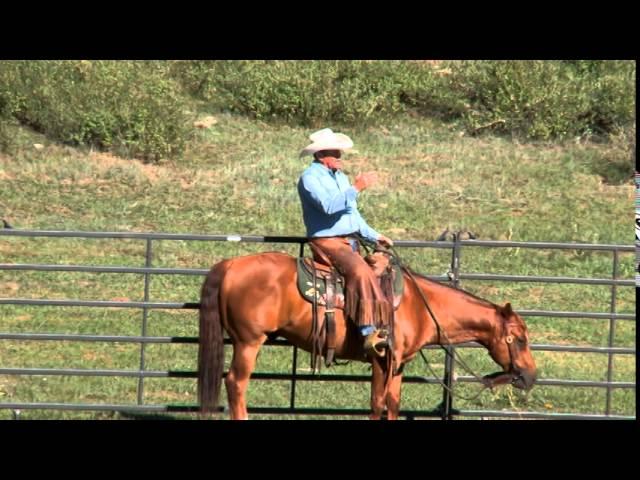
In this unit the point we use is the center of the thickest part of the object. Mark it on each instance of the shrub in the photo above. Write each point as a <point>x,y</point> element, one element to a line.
<point>544,100</point>
<point>611,88</point>
<point>537,100</point>
<point>618,160</point>
<point>132,108</point>
<point>137,108</point>
<point>307,92</point>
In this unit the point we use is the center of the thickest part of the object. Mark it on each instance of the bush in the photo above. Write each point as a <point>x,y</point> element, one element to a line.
<point>132,108</point>
<point>137,108</point>
<point>611,89</point>
<point>618,160</point>
<point>6,142</point>
<point>537,100</point>
<point>307,92</point>
<point>544,100</point>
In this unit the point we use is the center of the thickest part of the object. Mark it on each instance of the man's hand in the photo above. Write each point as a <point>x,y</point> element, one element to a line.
<point>385,241</point>
<point>365,180</point>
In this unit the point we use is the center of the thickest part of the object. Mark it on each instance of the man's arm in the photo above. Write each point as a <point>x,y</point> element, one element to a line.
<point>370,234</point>
<point>365,230</point>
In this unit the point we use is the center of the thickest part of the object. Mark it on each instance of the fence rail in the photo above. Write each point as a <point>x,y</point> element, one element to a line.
<point>445,410</point>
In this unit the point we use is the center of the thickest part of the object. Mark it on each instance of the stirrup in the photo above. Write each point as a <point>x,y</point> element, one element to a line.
<point>377,343</point>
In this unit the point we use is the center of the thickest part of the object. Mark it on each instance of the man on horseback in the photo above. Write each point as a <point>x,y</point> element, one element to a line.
<point>333,222</point>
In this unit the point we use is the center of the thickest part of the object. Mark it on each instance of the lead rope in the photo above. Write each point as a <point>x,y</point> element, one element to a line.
<point>441,332</point>
<point>444,385</point>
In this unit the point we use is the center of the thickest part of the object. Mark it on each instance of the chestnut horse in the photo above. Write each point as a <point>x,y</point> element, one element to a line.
<point>256,296</point>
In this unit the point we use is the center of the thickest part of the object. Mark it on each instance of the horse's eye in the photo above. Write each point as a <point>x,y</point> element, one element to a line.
<point>521,340</point>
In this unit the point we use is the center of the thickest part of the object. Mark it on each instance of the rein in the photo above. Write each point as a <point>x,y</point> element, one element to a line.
<point>441,333</point>
<point>459,360</point>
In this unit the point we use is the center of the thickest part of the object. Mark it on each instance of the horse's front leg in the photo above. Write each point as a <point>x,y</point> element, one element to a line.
<point>377,388</point>
<point>393,397</point>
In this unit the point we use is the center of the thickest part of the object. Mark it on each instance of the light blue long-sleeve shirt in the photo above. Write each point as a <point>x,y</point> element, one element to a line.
<point>329,205</point>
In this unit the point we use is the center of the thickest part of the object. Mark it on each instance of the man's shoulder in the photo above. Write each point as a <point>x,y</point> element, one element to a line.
<point>311,170</point>
<point>305,176</point>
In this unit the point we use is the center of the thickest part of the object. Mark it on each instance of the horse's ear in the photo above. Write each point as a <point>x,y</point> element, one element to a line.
<point>507,310</point>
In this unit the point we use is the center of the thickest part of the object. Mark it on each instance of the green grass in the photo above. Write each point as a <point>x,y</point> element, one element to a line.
<point>239,177</point>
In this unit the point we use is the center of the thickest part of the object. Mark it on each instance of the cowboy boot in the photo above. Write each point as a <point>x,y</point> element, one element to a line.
<point>376,343</point>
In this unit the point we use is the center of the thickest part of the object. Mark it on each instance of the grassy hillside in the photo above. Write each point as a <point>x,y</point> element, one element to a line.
<point>239,176</point>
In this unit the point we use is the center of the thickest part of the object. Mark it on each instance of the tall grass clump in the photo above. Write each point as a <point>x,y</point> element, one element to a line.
<point>132,108</point>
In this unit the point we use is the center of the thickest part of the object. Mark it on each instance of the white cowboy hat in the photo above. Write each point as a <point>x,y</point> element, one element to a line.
<point>326,139</point>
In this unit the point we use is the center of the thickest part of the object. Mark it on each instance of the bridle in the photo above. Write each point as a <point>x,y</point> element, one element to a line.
<point>512,349</point>
<point>486,381</point>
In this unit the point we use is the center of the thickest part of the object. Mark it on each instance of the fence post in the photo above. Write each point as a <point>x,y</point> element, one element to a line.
<point>612,332</point>
<point>447,398</point>
<point>145,315</point>
<point>294,373</point>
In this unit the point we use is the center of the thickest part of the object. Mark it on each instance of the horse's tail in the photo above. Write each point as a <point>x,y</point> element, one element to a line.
<point>211,345</point>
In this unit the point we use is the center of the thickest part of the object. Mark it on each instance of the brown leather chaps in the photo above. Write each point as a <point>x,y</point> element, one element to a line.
<point>365,304</point>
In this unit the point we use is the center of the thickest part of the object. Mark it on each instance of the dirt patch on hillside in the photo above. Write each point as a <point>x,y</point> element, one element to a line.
<point>106,161</point>
<point>6,175</point>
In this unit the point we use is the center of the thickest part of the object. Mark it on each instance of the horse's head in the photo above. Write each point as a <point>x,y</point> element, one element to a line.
<point>509,347</point>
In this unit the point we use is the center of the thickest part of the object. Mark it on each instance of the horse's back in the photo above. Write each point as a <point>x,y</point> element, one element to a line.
<point>257,293</point>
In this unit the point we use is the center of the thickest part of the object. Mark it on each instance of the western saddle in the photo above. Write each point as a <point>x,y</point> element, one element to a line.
<point>321,285</point>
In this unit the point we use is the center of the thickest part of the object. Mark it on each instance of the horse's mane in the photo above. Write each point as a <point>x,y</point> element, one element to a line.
<point>479,300</point>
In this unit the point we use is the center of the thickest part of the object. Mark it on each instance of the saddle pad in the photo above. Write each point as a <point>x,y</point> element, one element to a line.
<point>307,289</point>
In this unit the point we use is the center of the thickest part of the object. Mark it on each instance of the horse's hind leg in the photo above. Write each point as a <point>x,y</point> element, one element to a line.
<point>237,380</point>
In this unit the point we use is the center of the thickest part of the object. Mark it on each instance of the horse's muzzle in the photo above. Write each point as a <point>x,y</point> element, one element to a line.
<point>521,379</point>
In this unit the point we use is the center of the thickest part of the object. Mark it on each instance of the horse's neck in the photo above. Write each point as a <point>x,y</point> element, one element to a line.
<point>462,317</point>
